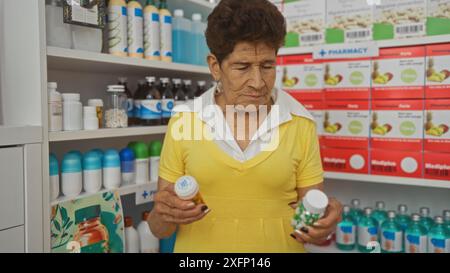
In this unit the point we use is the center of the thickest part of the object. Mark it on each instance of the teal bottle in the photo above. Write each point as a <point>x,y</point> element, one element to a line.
<point>446,215</point>
<point>346,231</point>
<point>416,236</point>
<point>380,215</point>
<point>356,211</point>
<point>425,218</point>
<point>391,235</point>
<point>367,231</point>
<point>438,237</point>
<point>402,217</point>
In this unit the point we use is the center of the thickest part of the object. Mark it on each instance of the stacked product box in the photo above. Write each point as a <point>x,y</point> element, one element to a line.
<point>316,109</point>
<point>437,139</point>
<point>438,71</point>
<point>347,79</point>
<point>399,73</point>
<point>349,21</point>
<point>346,136</point>
<point>302,77</point>
<point>438,20</point>
<point>397,19</point>
<point>305,20</point>
<point>397,137</point>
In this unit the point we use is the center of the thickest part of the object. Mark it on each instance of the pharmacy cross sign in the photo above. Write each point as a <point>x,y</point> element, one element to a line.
<point>145,194</point>
<point>322,53</point>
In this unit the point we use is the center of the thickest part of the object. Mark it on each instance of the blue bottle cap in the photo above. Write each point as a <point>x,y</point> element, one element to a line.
<point>98,151</point>
<point>111,159</point>
<point>78,153</point>
<point>92,161</point>
<point>54,169</point>
<point>127,154</point>
<point>71,163</point>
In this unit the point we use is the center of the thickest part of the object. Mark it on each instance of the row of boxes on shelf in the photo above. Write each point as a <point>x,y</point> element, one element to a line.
<point>397,73</point>
<point>312,22</point>
<point>400,137</point>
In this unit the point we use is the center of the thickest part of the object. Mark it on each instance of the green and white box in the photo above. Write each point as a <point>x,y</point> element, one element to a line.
<point>396,19</point>
<point>438,21</point>
<point>349,21</point>
<point>305,22</point>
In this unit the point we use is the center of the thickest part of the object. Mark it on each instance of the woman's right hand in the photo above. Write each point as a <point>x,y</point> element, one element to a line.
<point>171,209</point>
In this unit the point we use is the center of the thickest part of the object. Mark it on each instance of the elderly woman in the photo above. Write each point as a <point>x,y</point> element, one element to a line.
<point>261,155</point>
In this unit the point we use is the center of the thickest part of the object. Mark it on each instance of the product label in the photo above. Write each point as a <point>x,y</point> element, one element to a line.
<point>391,241</point>
<point>154,168</point>
<point>347,79</point>
<point>127,166</point>
<point>416,243</point>
<point>366,235</point>
<point>437,245</point>
<point>346,125</point>
<point>437,166</point>
<point>345,234</point>
<point>438,17</point>
<point>396,163</point>
<point>303,217</point>
<point>151,109</point>
<point>166,36</point>
<point>55,109</point>
<point>395,19</point>
<point>302,77</point>
<point>438,71</point>
<point>397,125</point>
<point>151,35</point>
<point>167,107</point>
<point>130,108</point>
<point>135,31</point>
<point>349,21</point>
<point>345,160</point>
<point>399,73</point>
<point>117,29</point>
<point>137,109</point>
<point>305,21</point>
<point>315,108</point>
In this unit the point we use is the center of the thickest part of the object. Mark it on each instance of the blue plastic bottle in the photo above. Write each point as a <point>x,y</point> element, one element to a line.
<point>356,211</point>
<point>446,215</point>
<point>416,236</point>
<point>380,215</point>
<point>402,217</point>
<point>199,42</point>
<point>425,218</point>
<point>367,231</point>
<point>181,37</point>
<point>438,237</point>
<point>391,235</point>
<point>167,245</point>
<point>346,231</point>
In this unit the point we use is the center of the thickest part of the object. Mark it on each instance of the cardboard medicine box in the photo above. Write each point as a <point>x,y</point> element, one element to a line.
<point>438,21</point>
<point>316,109</point>
<point>438,71</point>
<point>345,160</point>
<point>396,163</point>
<point>436,127</point>
<point>437,166</point>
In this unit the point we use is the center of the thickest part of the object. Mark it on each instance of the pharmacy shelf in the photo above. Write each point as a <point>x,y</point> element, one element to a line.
<point>78,60</point>
<point>388,180</point>
<point>381,44</point>
<point>203,7</point>
<point>326,249</point>
<point>124,190</point>
<point>106,133</point>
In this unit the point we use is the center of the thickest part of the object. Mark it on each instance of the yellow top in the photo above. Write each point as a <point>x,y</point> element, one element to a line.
<point>248,200</point>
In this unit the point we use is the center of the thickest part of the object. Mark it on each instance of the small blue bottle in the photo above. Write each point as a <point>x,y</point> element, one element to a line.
<point>438,237</point>
<point>446,215</point>
<point>367,231</point>
<point>416,236</point>
<point>391,235</point>
<point>356,212</point>
<point>380,215</point>
<point>127,166</point>
<point>402,217</point>
<point>425,218</point>
<point>346,231</point>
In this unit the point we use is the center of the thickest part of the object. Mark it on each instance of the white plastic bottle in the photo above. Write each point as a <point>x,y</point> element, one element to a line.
<point>58,33</point>
<point>165,19</point>
<point>71,174</point>
<point>131,237</point>
<point>90,120</point>
<point>135,29</point>
<point>92,172</point>
<point>151,32</point>
<point>54,177</point>
<point>111,170</point>
<point>155,148</point>
<point>55,115</point>
<point>117,28</point>
<point>72,112</point>
<point>149,243</point>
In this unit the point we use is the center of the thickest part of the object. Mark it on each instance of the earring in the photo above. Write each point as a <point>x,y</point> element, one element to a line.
<point>219,87</point>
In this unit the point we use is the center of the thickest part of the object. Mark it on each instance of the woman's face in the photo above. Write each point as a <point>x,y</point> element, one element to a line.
<point>247,74</point>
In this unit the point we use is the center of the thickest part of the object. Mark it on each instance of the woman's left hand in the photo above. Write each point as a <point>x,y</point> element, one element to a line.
<point>322,229</point>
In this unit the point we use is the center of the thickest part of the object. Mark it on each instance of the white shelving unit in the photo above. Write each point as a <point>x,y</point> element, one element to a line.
<point>106,133</point>
<point>124,190</point>
<point>77,60</point>
<point>381,44</point>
